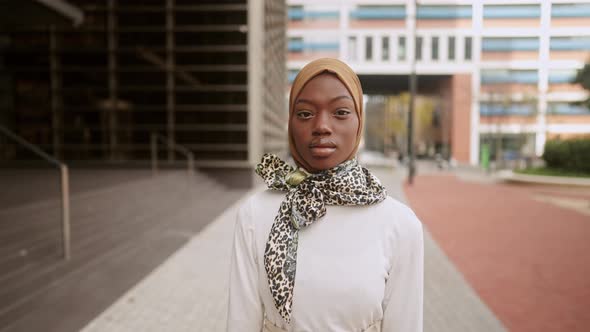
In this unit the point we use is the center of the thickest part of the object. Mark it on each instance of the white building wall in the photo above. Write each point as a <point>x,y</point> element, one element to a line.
<point>543,64</point>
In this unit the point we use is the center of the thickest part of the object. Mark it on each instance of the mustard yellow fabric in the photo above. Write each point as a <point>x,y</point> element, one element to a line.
<point>347,76</point>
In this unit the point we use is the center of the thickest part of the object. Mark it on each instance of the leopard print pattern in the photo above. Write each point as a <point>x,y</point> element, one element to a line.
<point>305,203</point>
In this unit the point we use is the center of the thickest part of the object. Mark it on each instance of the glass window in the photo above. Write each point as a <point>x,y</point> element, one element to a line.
<point>385,48</point>
<point>579,43</point>
<point>508,146</point>
<point>468,47</point>
<point>495,44</point>
<point>401,48</point>
<point>500,76</point>
<point>317,15</point>
<point>292,74</point>
<point>511,108</point>
<point>570,10</point>
<point>295,44</point>
<point>322,45</point>
<point>418,48</point>
<point>352,47</point>
<point>369,48</point>
<point>562,76</point>
<point>434,48</point>
<point>451,48</point>
<point>298,13</point>
<point>511,11</point>
<point>298,45</point>
<point>564,108</point>
<point>379,12</point>
<point>444,12</point>
<point>295,13</point>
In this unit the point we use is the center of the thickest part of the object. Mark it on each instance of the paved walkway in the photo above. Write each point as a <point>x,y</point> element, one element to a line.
<point>188,291</point>
<point>524,249</point>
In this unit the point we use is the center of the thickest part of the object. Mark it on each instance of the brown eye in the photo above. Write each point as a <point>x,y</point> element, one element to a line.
<point>342,112</point>
<point>304,114</point>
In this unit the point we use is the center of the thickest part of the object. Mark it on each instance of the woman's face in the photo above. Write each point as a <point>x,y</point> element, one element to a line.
<point>324,122</point>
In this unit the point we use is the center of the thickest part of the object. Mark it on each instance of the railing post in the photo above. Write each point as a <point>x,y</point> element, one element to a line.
<point>191,164</point>
<point>65,206</point>
<point>154,149</point>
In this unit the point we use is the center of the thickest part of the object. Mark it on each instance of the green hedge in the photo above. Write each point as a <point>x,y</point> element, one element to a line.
<point>571,154</point>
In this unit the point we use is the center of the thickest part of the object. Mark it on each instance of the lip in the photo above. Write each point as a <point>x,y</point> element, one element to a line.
<point>322,152</point>
<point>322,143</point>
<point>322,149</point>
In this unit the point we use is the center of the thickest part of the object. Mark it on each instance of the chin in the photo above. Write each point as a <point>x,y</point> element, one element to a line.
<point>323,164</point>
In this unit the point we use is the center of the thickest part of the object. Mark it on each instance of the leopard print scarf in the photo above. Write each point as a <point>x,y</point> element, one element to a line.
<point>304,204</point>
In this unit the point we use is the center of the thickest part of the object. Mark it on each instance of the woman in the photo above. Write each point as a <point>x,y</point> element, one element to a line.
<point>325,249</point>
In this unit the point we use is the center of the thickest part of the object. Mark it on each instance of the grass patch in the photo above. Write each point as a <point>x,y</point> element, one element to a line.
<point>552,172</point>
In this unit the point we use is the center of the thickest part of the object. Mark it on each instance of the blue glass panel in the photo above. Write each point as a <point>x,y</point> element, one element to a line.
<point>570,43</point>
<point>291,75</point>
<point>512,109</point>
<point>444,12</point>
<point>379,13</point>
<point>510,44</point>
<point>300,14</point>
<point>562,76</point>
<point>570,10</point>
<point>295,45</point>
<point>511,11</point>
<point>509,76</point>
<point>567,109</point>
<point>295,13</point>
<point>332,15</point>
<point>326,46</point>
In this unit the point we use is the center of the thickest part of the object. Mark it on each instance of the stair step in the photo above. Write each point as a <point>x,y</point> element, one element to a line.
<point>35,212</point>
<point>84,247</point>
<point>114,275</point>
<point>86,218</point>
<point>114,223</point>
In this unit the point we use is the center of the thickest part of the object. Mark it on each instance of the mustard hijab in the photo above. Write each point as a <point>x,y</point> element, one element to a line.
<point>308,195</point>
<point>350,80</point>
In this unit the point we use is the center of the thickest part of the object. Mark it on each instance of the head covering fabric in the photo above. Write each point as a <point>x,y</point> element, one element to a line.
<point>350,80</point>
<point>305,203</point>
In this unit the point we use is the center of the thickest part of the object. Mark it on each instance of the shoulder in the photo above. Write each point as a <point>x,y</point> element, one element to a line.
<point>254,207</point>
<point>261,199</point>
<point>401,217</point>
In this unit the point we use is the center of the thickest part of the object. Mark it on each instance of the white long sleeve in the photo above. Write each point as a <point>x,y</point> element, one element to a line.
<point>403,300</point>
<point>358,268</point>
<point>245,311</point>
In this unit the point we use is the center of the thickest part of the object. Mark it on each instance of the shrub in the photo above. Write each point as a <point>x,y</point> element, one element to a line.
<point>571,154</point>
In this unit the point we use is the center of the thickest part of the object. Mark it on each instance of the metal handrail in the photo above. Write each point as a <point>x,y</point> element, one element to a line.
<point>65,186</point>
<point>190,156</point>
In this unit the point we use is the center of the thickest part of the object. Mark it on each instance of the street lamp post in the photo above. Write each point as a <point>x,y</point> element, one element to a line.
<point>413,85</point>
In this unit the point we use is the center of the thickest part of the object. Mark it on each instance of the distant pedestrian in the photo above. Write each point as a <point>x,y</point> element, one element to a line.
<point>324,248</point>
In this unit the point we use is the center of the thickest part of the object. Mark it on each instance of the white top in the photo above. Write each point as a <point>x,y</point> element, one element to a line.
<point>357,267</point>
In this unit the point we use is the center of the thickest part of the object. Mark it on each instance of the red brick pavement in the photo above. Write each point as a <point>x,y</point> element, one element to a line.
<point>529,261</point>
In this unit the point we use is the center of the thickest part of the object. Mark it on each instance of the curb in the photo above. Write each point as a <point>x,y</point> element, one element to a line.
<point>510,176</point>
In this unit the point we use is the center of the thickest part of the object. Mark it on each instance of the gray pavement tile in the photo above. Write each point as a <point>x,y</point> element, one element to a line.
<point>188,292</point>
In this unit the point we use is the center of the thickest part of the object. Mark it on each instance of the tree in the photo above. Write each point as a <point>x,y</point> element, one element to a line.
<point>583,78</point>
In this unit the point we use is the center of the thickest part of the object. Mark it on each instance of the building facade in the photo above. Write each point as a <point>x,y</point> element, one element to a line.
<point>208,75</point>
<point>502,69</point>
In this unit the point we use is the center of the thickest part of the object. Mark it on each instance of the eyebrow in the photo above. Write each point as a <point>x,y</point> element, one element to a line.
<point>306,101</point>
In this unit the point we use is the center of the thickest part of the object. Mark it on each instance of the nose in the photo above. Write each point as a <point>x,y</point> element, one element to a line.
<point>321,125</point>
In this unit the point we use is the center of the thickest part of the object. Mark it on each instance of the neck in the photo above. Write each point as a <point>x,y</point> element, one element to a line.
<point>314,171</point>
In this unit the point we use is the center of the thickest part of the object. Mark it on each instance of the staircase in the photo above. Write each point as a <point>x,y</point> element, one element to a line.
<point>119,232</point>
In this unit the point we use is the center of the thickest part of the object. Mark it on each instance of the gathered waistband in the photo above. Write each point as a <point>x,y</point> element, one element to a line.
<point>269,326</point>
